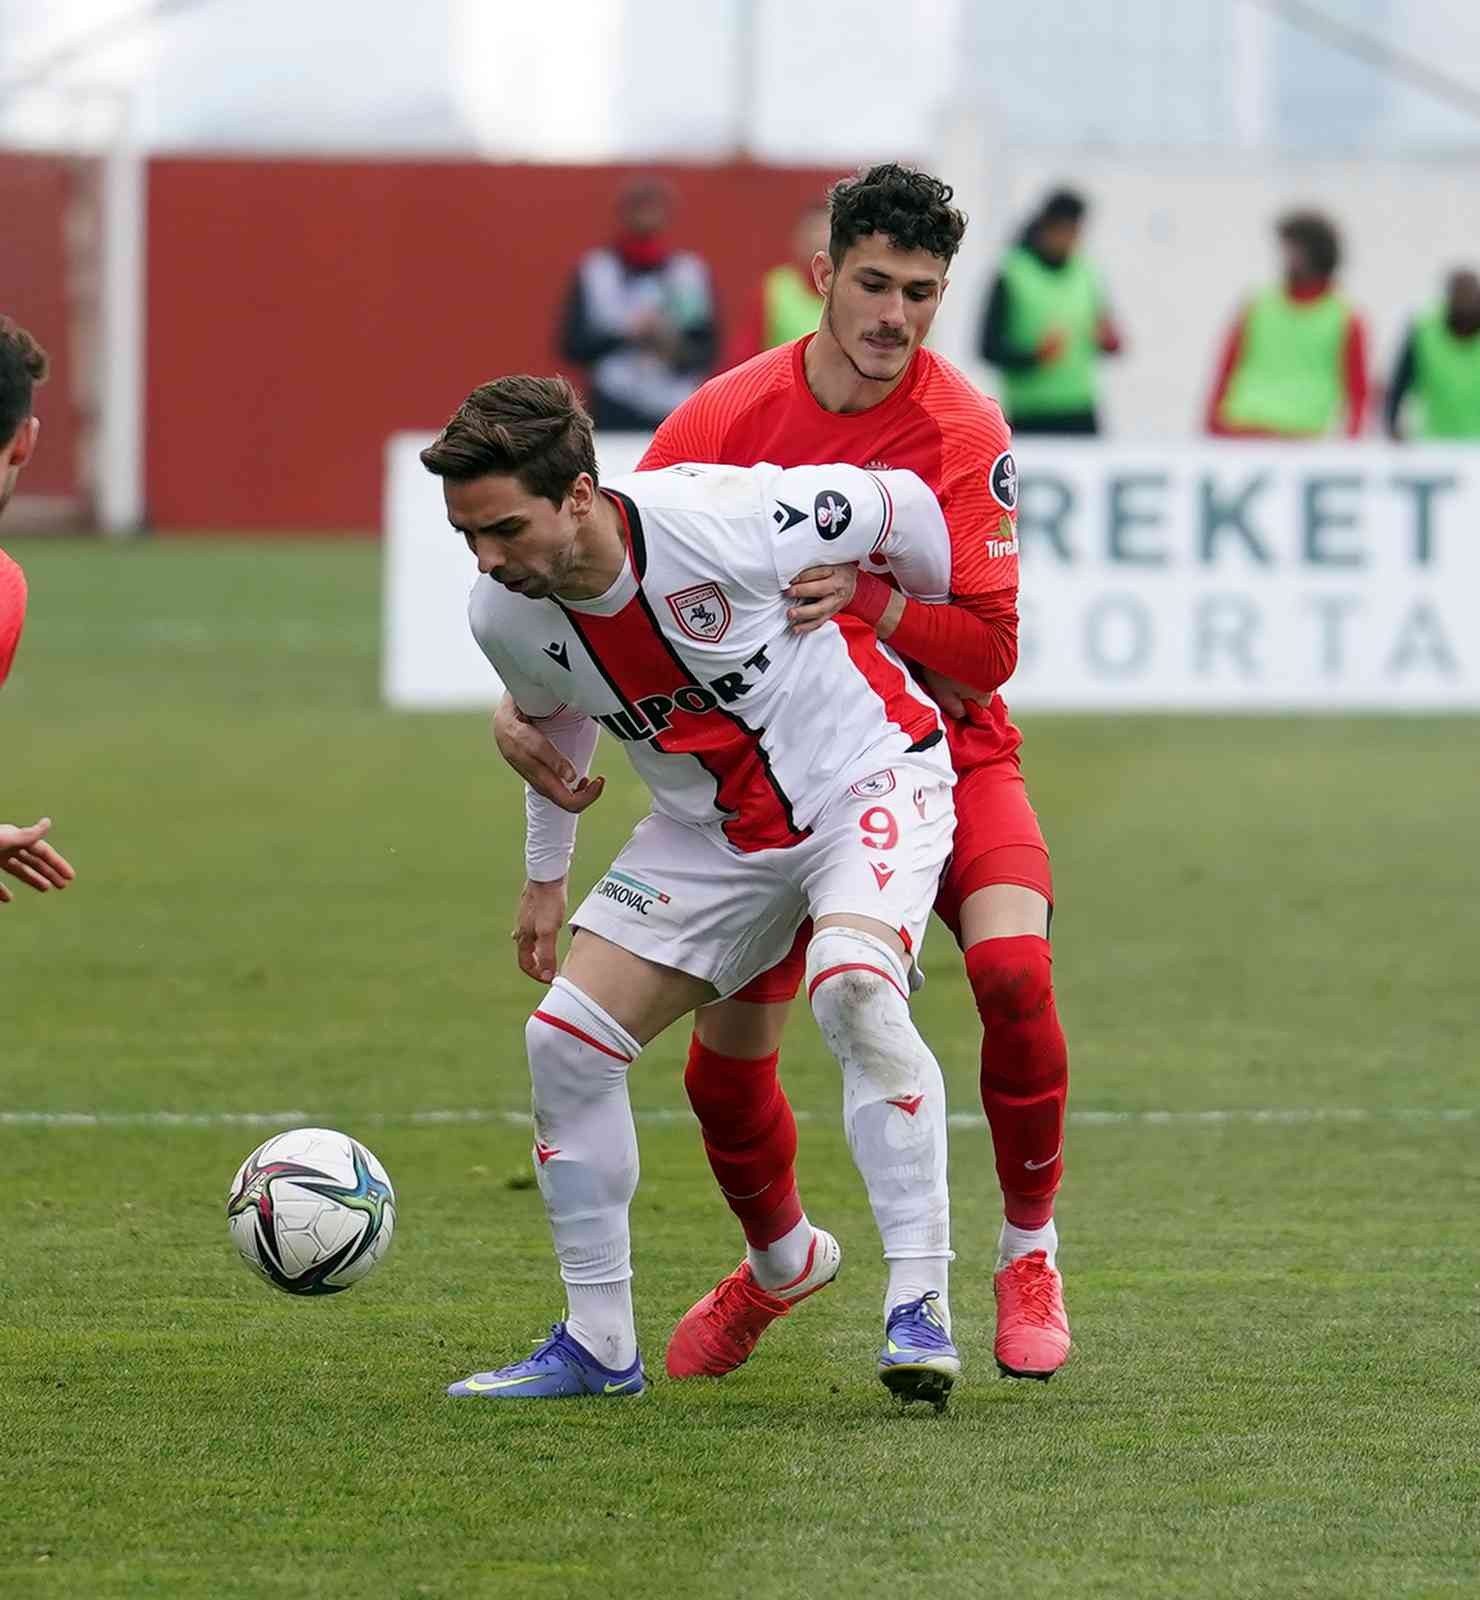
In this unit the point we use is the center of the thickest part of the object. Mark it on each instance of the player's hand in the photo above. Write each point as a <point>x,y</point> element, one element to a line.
<point>949,693</point>
<point>1052,345</point>
<point>819,594</point>
<point>540,763</point>
<point>24,854</point>
<point>541,917</point>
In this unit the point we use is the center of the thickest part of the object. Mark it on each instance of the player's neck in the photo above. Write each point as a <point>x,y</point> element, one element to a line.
<point>600,553</point>
<point>836,384</point>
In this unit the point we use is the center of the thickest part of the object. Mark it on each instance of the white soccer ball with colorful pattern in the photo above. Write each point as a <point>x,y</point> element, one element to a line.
<point>312,1210</point>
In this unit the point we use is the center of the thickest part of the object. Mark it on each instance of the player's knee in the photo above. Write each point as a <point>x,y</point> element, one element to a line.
<point>1012,979</point>
<point>730,1094</point>
<point>856,986</point>
<point>576,1051</point>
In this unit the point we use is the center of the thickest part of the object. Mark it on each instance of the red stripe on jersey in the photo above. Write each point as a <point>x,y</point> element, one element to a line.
<point>637,661</point>
<point>850,966</point>
<point>888,681</point>
<point>585,1038</point>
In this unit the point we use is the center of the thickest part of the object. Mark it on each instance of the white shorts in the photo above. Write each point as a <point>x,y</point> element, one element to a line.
<point>684,897</point>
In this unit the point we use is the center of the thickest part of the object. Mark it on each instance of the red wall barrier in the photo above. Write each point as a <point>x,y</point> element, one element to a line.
<point>38,196</point>
<point>300,311</point>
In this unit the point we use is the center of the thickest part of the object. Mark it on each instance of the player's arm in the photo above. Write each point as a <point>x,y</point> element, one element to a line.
<point>840,514</point>
<point>970,536</point>
<point>549,828</point>
<point>1404,376</point>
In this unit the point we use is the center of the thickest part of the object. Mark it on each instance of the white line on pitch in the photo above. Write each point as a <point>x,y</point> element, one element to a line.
<point>453,1116</point>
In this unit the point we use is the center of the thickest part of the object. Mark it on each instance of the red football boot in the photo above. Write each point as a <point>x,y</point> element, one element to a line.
<point>718,1333</point>
<point>1032,1325</point>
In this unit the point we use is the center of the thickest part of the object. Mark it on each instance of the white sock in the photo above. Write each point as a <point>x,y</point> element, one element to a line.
<point>894,1099</point>
<point>782,1261</point>
<point>599,1316</point>
<point>585,1161</point>
<point>1013,1243</point>
<point>912,1278</point>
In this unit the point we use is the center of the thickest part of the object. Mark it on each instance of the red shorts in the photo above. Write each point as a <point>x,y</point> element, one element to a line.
<point>998,840</point>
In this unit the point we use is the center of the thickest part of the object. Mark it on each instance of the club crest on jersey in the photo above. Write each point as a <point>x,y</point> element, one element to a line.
<point>832,513</point>
<point>874,787</point>
<point>702,612</point>
<point>1004,481</point>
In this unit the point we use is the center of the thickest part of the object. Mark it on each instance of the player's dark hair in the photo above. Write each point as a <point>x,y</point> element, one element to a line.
<point>1316,237</point>
<point>909,207</point>
<point>534,428</point>
<point>23,364</point>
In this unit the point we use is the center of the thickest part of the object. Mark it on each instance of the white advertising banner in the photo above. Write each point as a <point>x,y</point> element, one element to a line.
<point>1218,577</point>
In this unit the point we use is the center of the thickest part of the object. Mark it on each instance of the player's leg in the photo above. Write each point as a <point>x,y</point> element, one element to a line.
<point>750,1139</point>
<point>663,932</point>
<point>997,896</point>
<point>750,1134</point>
<point>581,1041</point>
<point>874,866</point>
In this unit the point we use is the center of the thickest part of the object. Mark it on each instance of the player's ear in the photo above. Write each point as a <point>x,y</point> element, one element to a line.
<point>583,494</point>
<point>822,272</point>
<point>25,442</point>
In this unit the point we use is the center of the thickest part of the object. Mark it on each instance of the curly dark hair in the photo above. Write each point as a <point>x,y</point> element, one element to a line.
<point>533,428</point>
<point>23,364</point>
<point>1316,236</point>
<point>910,208</point>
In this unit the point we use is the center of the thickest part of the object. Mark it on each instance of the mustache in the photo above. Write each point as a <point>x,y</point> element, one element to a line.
<point>896,339</point>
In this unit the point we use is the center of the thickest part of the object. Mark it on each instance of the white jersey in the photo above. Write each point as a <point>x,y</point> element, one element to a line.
<point>733,721</point>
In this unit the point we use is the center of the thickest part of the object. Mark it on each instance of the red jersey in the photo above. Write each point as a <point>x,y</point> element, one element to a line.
<point>12,611</point>
<point>936,424</point>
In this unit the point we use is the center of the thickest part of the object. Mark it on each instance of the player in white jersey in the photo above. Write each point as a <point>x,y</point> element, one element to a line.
<point>791,775</point>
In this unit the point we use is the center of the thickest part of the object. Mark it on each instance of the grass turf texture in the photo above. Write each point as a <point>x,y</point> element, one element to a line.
<point>291,899</point>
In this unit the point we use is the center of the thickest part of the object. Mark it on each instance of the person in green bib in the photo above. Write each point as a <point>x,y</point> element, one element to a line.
<point>1439,367</point>
<point>786,304</point>
<point>1294,364</point>
<point>1045,325</point>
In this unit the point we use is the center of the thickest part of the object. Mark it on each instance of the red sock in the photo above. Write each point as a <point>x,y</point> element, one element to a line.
<point>1025,1071</point>
<point>750,1137</point>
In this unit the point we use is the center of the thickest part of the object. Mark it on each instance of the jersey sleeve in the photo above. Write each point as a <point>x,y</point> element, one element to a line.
<point>550,831</point>
<point>978,494</point>
<point>533,699</point>
<point>12,611</point>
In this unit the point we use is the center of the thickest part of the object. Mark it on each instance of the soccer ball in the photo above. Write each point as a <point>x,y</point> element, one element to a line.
<point>311,1210</point>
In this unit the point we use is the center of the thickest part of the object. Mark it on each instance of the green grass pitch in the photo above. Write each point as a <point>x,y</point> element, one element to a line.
<point>293,901</point>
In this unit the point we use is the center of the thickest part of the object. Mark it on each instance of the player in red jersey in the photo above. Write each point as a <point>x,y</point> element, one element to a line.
<point>864,390</point>
<point>24,854</point>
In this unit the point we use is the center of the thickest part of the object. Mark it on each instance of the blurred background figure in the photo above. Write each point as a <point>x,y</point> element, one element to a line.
<point>786,304</point>
<point>1046,325</point>
<point>639,315</point>
<point>1439,365</point>
<point>1295,360</point>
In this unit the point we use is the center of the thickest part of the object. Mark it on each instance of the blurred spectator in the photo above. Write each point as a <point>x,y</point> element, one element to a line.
<point>1297,353</point>
<point>786,305</point>
<point>1440,365</point>
<point>1046,324</point>
<point>639,315</point>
